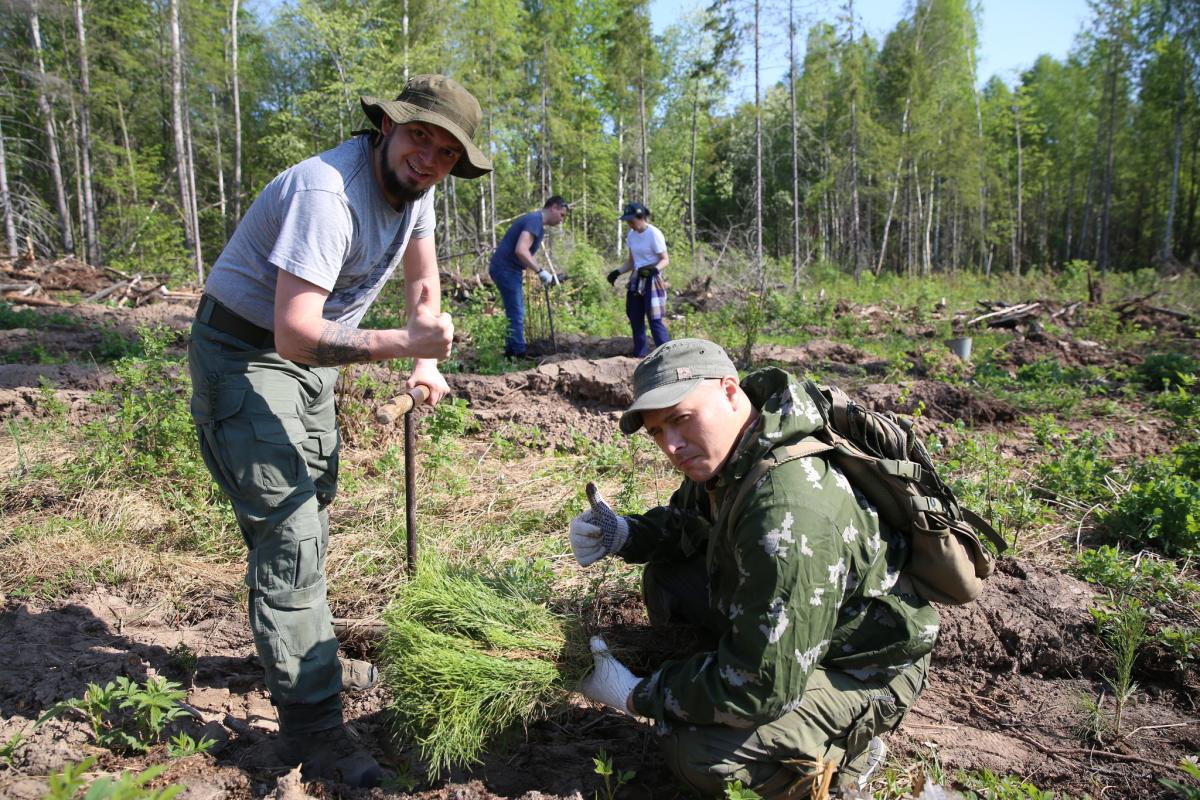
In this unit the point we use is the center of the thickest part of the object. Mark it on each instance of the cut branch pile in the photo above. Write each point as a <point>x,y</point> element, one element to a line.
<point>25,282</point>
<point>467,659</point>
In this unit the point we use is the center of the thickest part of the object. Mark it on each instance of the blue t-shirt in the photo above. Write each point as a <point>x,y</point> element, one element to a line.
<point>323,220</point>
<point>506,251</point>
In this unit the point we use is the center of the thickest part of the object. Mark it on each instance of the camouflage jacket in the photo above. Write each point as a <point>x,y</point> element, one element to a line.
<point>804,575</point>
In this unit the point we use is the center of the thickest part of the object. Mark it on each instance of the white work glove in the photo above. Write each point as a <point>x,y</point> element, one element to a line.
<point>610,682</point>
<point>545,276</point>
<point>598,531</point>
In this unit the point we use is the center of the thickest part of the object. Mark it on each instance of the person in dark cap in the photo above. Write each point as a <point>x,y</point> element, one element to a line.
<point>280,313</point>
<point>513,256</point>
<point>646,293</point>
<point>814,642</point>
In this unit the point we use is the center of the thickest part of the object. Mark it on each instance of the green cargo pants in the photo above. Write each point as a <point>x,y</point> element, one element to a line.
<point>268,434</point>
<point>837,717</point>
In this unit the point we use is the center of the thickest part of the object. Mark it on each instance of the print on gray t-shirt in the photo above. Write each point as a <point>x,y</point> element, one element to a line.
<point>323,220</point>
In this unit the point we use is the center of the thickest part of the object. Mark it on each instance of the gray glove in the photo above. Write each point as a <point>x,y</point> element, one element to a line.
<point>545,277</point>
<point>610,681</point>
<point>597,532</point>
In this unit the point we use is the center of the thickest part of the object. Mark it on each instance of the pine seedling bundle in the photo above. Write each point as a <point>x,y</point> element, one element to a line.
<point>467,659</point>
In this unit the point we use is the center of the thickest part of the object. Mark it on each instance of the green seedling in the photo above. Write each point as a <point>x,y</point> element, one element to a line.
<point>184,659</point>
<point>613,780</point>
<point>9,748</point>
<point>466,659</point>
<point>182,745</point>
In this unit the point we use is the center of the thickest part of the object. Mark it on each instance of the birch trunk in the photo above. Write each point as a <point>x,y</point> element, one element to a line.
<point>85,138</point>
<point>692,169</point>
<point>177,125</point>
<point>221,201</point>
<point>983,259</point>
<point>191,181</point>
<point>60,192</point>
<point>795,148</point>
<point>128,151</point>
<point>1168,229</point>
<point>10,226</point>
<point>758,150</point>
<point>620,177</point>
<point>1019,233</point>
<point>1102,259</point>
<point>73,123</point>
<point>887,224</point>
<point>645,144</point>
<point>237,113</point>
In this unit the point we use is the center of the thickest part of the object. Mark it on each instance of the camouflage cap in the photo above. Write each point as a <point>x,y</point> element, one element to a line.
<point>670,373</point>
<point>439,101</point>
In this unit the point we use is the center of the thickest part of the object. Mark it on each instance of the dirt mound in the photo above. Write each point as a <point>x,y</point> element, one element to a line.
<point>1067,352</point>
<point>552,403</point>
<point>938,401</point>
<point>814,354</point>
<point>1028,620</point>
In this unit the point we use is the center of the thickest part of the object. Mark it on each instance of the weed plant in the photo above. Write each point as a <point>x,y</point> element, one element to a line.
<point>1189,790</point>
<point>67,783</point>
<point>125,716</point>
<point>986,785</point>
<point>1074,467</point>
<point>1161,508</point>
<point>467,658</point>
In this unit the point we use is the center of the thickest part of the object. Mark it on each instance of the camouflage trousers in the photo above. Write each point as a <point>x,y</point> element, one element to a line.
<point>837,717</point>
<point>268,435</point>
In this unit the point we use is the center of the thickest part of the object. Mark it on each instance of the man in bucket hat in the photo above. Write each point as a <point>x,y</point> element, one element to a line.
<point>279,314</point>
<point>812,641</point>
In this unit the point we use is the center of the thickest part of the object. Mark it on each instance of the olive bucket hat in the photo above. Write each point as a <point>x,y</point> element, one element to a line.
<point>439,101</point>
<point>670,373</point>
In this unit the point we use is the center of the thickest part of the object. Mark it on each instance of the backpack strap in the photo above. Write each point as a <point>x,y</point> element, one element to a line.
<point>980,524</point>
<point>806,447</point>
<point>839,407</point>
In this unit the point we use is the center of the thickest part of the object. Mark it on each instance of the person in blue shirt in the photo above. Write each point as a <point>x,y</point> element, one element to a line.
<point>513,256</point>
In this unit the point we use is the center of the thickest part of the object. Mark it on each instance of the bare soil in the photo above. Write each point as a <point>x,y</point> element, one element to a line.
<point>1005,693</point>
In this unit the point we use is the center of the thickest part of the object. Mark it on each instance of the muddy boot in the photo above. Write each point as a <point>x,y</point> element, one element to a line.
<point>330,754</point>
<point>358,676</point>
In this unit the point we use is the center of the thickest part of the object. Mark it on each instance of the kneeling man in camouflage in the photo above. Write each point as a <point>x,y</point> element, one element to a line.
<point>818,643</point>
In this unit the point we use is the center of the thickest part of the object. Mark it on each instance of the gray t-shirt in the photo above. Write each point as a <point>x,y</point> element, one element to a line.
<point>323,220</point>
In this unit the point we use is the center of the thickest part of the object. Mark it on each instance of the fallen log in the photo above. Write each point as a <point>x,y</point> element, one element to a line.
<point>1009,316</point>
<point>33,301</point>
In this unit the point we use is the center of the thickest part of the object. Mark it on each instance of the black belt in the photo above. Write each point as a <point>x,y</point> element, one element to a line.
<point>212,313</point>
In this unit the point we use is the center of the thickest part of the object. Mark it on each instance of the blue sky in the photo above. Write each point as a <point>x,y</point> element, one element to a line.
<point>1012,33</point>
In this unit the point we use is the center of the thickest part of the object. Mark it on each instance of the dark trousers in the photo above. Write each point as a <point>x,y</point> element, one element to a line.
<point>637,308</point>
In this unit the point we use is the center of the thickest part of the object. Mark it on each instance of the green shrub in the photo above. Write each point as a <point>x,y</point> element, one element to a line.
<point>1161,371</point>
<point>1182,404</point>
<point>1161,509</point>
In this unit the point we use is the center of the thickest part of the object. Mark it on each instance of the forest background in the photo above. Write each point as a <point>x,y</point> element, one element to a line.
<point>135,133</point>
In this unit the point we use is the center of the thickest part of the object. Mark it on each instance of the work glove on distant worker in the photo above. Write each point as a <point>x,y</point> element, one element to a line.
<point>598,531</point>
<point>647,272</point>
<point>545,277</point>
<point>610,682</point>
<point>612,276</point>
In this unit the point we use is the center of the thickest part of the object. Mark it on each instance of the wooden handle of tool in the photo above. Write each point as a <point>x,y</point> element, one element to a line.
<point>401,404</point>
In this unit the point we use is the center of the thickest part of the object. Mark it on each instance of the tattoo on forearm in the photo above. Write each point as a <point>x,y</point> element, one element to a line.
<point>339,345</point>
